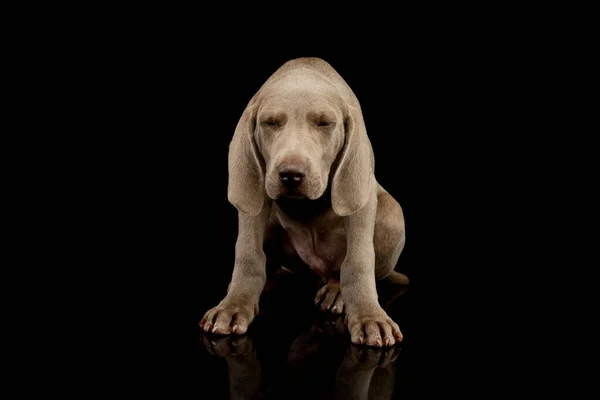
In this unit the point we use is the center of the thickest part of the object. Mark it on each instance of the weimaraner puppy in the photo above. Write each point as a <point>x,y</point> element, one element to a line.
<point>301,175</point>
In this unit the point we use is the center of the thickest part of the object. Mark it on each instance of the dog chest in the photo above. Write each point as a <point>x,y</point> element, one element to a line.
<point>323,250</point>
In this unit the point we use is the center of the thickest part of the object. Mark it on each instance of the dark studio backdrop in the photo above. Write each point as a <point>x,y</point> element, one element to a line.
<point>152,235</point>
<point>163,231</point>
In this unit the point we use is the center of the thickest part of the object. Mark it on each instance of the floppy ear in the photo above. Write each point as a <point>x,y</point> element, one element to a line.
<point>246,185</point>
<point>353,178</point>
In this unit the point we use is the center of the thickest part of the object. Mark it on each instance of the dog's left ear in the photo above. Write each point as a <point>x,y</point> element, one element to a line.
<point>353,179</point>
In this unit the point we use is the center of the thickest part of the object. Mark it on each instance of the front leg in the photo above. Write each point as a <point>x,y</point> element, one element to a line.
<point>367,321</point>
<point>239,307</point>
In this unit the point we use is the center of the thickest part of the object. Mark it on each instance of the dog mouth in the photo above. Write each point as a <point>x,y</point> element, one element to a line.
<point>300,192</point>
<point>292,194</point>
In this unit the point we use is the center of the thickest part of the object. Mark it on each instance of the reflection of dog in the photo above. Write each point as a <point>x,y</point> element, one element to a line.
<point>364,372</point>
<point>367,373</point>
<point>301,174</point>
<point>242,364</point>
<point>318,358</point>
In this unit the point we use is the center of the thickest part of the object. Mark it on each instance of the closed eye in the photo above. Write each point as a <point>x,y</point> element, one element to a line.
<point>273,118</point>
<point>273,121</point>
<point>324,123</point>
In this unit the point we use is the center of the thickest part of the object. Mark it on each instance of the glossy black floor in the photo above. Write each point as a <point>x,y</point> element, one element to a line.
<point>296,351</point>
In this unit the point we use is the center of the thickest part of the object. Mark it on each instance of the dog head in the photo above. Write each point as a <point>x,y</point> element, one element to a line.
<point>301,133</point>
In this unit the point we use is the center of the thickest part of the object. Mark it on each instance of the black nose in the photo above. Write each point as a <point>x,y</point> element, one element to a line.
<point>291,175</point>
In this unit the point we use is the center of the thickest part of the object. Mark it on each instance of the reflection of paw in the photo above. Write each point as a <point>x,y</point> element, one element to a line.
<point>370,358</point>
<point>225,346</point>
<point>390,354</point>
<point>229,318</point>
<point>330,297</point>
<point>330,324</point>
<point>373,327</point>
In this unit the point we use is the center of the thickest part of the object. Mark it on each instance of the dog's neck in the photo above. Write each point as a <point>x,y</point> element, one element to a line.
<point>304,209</point>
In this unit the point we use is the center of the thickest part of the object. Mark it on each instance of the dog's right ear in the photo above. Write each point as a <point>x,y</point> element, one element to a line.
<point>246,187</point>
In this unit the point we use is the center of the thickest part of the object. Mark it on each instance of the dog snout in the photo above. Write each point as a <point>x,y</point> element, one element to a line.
<point>291,175</point>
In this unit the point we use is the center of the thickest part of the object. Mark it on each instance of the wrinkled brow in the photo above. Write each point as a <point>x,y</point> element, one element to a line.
<point>275,117</point>
<point>321,116</point>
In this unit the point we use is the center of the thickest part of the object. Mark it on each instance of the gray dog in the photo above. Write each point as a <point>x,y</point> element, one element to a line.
<point>301,174</point>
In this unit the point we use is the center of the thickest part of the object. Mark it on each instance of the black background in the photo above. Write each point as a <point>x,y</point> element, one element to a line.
<point>161,247</point>
<point>138,236</point>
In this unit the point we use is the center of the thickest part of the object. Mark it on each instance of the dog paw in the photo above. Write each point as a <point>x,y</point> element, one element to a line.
<point>229,318</point>
<point>373,328</point>
<point>330,297</point>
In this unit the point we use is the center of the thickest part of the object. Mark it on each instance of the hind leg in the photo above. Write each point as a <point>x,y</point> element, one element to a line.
<point>389,238</point>
<point>330,296</point>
